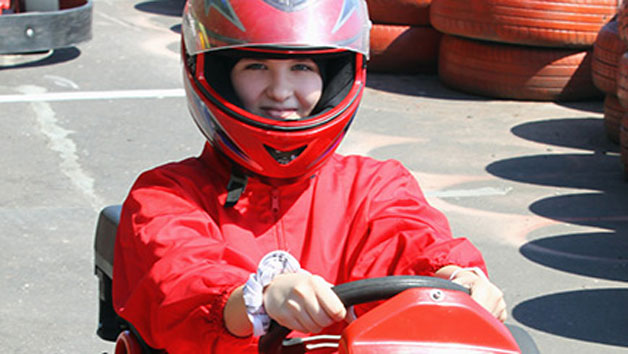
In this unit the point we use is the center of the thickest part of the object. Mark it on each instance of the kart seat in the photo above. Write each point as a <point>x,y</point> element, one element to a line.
<point>112,327</point>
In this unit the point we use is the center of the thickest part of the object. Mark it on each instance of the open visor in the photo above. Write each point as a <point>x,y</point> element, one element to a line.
<point>224,24</point>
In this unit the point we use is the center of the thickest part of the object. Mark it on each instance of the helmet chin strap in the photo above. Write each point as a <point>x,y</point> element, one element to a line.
<point>235,186</point>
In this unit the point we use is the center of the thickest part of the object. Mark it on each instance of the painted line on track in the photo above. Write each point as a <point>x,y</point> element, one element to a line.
<point>466,193</point>
<point>91,95</point>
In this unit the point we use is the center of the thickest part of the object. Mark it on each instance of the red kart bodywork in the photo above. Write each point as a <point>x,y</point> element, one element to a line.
<point>423,320</point>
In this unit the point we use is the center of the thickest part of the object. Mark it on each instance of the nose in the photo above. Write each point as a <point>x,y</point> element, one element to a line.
<point>279,88</point>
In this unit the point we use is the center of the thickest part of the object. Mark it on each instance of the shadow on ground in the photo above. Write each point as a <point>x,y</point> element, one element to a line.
<point>428,85</point>
<point>597,171</point>
<point>51,57</point>
<point>592,105</point>
<point>595,315</point>
<point>598,315</point>
<point>423,85</point>
<point>599,255</point>
<point>581,133</point>
<point>172,8</point>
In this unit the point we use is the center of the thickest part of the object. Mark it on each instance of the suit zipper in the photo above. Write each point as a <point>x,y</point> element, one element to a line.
<point>278,222</point>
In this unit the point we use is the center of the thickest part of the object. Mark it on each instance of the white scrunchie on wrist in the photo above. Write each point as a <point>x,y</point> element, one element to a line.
<point>475,270</point>
<point>271,265</point>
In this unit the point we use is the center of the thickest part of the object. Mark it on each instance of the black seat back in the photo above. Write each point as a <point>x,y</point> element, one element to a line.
<point>109,323</point>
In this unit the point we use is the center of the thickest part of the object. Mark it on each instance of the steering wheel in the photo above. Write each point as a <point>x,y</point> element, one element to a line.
<point>359,292</point>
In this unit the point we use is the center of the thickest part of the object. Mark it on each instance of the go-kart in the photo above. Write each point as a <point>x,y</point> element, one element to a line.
<point>420,315</point>
<point>29,26</point>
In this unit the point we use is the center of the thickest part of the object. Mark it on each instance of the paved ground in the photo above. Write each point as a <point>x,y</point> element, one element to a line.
<point>536,186</point>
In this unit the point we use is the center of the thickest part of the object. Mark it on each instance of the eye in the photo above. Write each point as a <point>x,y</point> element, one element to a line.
<point>304,67</point>
<point>255,66</point>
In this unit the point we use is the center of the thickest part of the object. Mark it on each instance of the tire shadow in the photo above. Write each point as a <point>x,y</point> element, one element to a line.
<point>600,200</point>
<point>429,85</point>
<point>599,255</point>
<point>596,171</point>
<point>423,85</point>
<point>594,105</point>
<point>56,56</point>
<point>172,8</point>
<point>602,210</point>
<point>583,133</point>
<point>176,29</point>
<point>599,316</point>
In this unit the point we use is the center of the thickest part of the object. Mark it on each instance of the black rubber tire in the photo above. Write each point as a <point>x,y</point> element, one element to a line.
<point>524,340</point>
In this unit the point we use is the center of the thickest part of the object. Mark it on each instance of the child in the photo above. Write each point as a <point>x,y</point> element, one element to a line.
<point>262,224</point>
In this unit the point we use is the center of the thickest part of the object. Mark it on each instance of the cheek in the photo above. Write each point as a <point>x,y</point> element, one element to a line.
<point>311,93</point>
<point>247,90</point>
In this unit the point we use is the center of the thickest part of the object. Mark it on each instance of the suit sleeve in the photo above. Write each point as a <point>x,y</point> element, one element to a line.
<point>172,271</point>
<point>405,235</point>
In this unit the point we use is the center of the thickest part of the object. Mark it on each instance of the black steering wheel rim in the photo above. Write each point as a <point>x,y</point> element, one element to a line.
<point>359,292</point>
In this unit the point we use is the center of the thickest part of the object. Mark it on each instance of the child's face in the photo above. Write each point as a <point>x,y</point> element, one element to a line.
<point>278,88</point>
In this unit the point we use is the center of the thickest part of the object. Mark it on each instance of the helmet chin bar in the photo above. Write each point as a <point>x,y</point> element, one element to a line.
<point>284,157</point>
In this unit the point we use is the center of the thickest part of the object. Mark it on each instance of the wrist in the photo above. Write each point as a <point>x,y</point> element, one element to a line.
<point>235,318</point>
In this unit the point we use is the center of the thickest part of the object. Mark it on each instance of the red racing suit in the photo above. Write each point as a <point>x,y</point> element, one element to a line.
<point>179,252</point>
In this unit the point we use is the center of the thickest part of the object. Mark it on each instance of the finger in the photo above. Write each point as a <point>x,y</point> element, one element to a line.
<point>305,307</point>
<point>283,315</point>
<point>497,298</point>
<point>490,297</point>
<point>503,316</point>
<point>333,309</point>
<point>502,313</point>
<point>318,307</point>
<point>293,324</point>
<point>482,293</point>
<point>307,324</point>
<point>296,318</point>
<point>465,280</point>
<point>315,317</point>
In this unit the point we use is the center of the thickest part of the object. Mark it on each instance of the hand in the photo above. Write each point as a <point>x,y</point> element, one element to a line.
<point>302,302</point>
<point>484,292</point>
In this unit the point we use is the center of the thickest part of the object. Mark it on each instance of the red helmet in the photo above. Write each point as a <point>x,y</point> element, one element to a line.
<point>218,32</point>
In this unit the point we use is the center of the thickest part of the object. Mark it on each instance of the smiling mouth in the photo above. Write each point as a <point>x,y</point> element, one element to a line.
<point>284,157</point>
<point>282,113</point>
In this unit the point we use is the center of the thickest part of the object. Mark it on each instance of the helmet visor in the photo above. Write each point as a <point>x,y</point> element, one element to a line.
<point>223,24</point>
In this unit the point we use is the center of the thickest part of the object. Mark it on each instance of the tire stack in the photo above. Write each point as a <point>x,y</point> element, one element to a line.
<point>402,39</point>
<point>607,51</point>
<point>622,83</point>
<point>520,49</point>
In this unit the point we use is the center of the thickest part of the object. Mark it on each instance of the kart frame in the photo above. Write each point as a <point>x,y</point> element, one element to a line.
<point>44,25</point>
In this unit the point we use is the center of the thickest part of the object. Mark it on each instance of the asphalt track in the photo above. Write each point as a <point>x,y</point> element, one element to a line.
<point>536,186</point>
